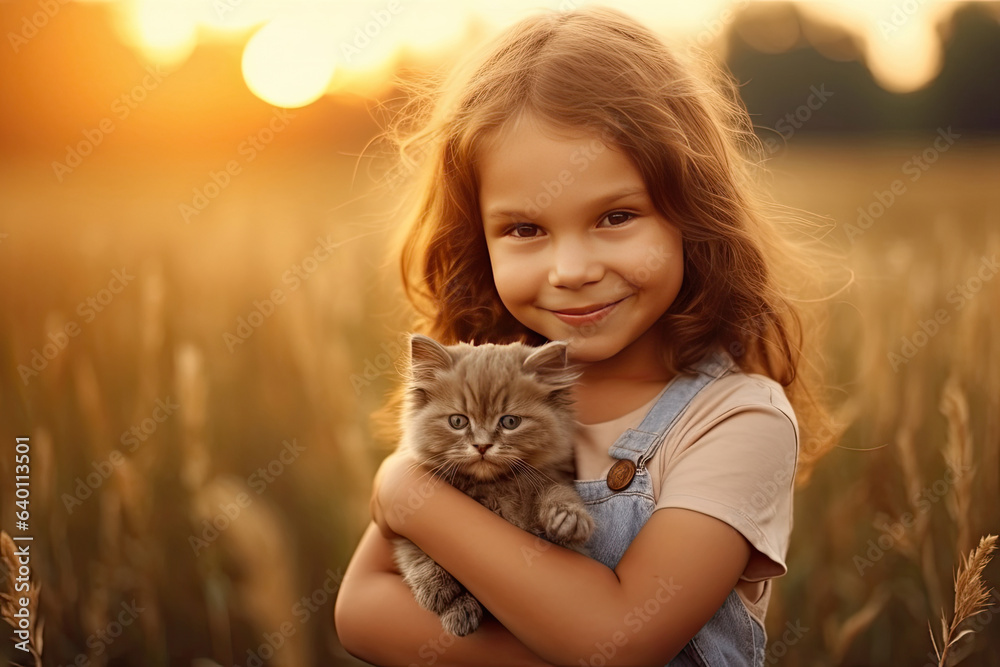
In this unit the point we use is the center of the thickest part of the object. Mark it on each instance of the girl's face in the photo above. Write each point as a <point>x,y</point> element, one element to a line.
<point>571,228</point>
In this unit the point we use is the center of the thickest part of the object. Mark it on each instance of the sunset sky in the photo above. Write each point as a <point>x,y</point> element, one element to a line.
<point>294,51</point>
<point>189,79</point>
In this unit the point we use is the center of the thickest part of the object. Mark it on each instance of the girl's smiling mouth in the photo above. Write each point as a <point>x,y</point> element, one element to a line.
<point>587,314</point>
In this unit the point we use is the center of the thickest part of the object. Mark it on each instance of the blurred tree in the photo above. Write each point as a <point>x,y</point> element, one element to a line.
<point>780,57</point>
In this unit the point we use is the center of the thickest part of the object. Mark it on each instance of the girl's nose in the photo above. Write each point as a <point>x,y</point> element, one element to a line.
<point>574,265</point>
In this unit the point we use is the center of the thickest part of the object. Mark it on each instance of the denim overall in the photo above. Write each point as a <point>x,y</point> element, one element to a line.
<point>731,637</point>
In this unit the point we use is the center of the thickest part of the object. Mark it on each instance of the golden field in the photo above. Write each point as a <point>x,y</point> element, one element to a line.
<point>215,474</point>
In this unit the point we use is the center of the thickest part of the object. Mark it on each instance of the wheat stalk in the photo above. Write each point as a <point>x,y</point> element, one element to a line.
<point>857,622</point>
<point>36,626</point>
<point>920,549</point>
<point>958,454</point>
<point>191,385</point>
<point>971,595</point>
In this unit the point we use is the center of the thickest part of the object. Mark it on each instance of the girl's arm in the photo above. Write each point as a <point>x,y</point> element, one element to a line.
<point>379,621</point>
<point>566,607</point>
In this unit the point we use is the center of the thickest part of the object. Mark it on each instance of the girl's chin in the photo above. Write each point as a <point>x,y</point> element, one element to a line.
<point>585,352</point>
<point>581,349</point>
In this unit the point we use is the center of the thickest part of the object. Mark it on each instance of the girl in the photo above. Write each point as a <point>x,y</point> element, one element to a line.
<point>581,183</point>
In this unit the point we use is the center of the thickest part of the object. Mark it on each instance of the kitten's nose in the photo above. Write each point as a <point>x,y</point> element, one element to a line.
<point>482,448</point>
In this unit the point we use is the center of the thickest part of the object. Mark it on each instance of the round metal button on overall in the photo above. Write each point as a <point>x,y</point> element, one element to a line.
<point>621,474</point>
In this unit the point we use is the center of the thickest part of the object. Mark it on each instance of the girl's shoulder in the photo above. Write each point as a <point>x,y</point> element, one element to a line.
<point>737,389</point>
<point>751,399</point>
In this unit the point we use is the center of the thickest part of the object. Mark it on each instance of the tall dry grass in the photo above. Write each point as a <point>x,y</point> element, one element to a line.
<point>160,339</point>
<point>971,597</point>
<point>915,479</point>
<point>11,595</point>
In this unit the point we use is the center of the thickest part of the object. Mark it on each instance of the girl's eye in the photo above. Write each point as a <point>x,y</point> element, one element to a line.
<point>510,422</point>
<point>618,218</point>
<point>526,230</point>
<point>521,228</point>
<point>458,421</point>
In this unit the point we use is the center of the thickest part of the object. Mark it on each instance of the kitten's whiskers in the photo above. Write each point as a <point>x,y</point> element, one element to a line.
<point>529,473</point>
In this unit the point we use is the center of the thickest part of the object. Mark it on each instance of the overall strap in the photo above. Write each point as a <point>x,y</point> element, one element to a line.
<point>639,444</point>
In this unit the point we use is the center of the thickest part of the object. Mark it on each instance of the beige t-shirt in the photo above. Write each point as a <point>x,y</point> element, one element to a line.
<point>731,455</point>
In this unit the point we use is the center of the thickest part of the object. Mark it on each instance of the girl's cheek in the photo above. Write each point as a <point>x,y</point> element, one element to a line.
<point>633,266</point>
<point>514,276</point>
<point>651,263</point>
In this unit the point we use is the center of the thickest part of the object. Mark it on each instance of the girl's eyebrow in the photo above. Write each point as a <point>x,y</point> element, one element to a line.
<point>499,211</point>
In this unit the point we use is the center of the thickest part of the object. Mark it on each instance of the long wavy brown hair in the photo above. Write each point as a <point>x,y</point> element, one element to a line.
<point>748,285</point>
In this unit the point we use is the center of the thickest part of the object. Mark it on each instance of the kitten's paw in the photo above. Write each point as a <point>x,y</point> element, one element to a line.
<point>437,597</point>
<point>492,504</point>
<point>463,615</point>
<point>568,524</point>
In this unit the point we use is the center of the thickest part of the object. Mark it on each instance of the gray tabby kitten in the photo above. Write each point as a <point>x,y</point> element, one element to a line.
<point>496,421</point>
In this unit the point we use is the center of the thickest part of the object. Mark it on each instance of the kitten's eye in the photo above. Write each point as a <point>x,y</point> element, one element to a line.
<point>458,421</point>
<point>510,422</point>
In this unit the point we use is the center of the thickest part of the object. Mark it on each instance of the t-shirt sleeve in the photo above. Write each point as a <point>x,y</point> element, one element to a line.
<point>739,467</point>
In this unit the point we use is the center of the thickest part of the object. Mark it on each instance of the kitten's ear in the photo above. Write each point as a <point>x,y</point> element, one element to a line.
<point>550,363</point>
<point>427,357</point>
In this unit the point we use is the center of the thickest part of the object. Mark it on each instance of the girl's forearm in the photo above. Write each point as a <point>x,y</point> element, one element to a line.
<point>389,628</point>
<point>379,621</point>
<point>524,581</point>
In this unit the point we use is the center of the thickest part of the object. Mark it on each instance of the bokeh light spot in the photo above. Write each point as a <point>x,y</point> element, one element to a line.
<point>289,62</point>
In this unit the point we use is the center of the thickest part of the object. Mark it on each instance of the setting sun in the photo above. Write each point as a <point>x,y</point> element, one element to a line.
<point>288,63</point>
<point>163,31</point>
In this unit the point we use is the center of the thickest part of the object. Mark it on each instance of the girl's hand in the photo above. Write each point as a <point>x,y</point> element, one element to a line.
<point>396,491</point>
